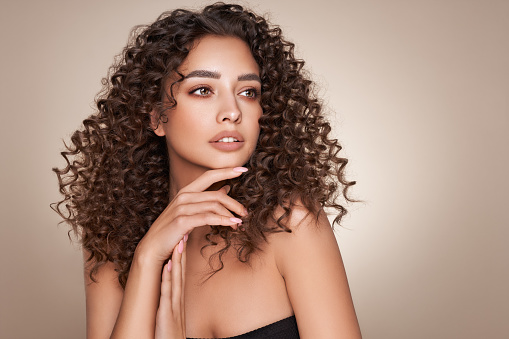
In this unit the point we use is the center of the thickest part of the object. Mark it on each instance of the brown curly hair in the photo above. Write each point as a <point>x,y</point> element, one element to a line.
<point>116,181</point>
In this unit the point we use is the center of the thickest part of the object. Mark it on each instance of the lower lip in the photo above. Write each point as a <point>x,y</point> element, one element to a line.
<point>227,146</point>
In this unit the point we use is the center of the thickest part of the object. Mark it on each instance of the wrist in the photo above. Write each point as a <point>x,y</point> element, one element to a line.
<point>145,258</point>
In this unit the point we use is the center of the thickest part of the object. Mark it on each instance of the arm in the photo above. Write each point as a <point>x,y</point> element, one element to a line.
<point>136,317</point>
<point>112,312</point>
<point>310,262</point>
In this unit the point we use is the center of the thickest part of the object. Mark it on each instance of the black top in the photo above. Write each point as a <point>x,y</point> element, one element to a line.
<point>282,329</point>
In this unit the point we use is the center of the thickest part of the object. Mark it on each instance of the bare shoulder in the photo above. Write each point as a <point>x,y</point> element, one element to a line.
<point>310,262</point>
<point>103,299</point>
<point>308,230</point>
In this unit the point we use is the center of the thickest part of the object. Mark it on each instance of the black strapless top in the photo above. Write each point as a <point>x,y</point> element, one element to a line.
<point>282,329</point>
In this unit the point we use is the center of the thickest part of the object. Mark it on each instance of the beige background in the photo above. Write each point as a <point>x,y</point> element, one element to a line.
<point>421,95</point>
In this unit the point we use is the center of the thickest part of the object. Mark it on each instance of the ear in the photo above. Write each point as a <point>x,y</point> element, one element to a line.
<point>156,124</point>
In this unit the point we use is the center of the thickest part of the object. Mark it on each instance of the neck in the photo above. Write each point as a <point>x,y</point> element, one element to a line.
<point>180,178</point>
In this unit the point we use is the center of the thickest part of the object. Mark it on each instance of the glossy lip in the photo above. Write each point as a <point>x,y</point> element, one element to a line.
<point>224,134</point>
<point>227,146</point>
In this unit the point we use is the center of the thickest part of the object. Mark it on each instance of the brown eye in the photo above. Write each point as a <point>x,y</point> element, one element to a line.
<point>202,91</point>
<point>250,93</point>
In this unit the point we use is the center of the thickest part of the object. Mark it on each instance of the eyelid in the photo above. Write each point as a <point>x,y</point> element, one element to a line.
<point>254,89</point>
<point>198,87</point>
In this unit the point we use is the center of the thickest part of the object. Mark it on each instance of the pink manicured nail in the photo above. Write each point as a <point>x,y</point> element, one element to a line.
<point>236,220</point>
<point>169,265</point>
<point>240,169</point>
<point>245,211</point>
<point>185,237</point>
<point>181,246</point>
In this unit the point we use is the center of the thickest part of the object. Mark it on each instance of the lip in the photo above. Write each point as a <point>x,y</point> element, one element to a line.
<point>225,134</point>
<point>227,146</point>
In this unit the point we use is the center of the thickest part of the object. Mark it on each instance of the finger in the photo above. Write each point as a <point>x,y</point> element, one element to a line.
<point>187,223</point>
<point>164,302</point>
<point>183,264</point>
<point>176,278</point>
<point>184,199</point>
<point>166,281</point>
<point>203,207</point>
<point>208,178</point>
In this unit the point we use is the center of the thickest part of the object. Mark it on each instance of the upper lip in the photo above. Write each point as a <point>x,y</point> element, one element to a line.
<point>225,134</point>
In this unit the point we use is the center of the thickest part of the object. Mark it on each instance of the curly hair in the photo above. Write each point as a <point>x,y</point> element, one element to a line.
<point>116,181</point>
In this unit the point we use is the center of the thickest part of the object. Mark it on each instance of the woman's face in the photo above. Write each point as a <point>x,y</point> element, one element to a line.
<point>215,121</point>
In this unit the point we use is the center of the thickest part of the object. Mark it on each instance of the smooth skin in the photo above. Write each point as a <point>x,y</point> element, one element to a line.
<point>136,306</point>
<point>170,319</point>
<point>297,273</point>
<point>316,287</point>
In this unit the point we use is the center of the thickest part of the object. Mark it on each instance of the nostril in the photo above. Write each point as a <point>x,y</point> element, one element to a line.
<point>231,115</point>
<point>231,118</point>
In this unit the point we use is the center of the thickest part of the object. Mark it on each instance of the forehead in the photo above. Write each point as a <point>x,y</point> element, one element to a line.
<point>226,55</point>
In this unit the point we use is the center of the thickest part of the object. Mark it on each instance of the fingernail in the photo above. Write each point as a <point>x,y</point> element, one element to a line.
<point>242,229</point>
<point>236,220</point>
<point>181,246</point>
<point>185,237</point>
<point>245,211</point>
<point>227,188</point>
<point>240,169</point>
<point>169,265</point>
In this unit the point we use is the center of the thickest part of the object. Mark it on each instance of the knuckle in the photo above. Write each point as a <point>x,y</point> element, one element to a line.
<point>180,210</point>
<point>213,219</point>
<point>216,205</point>
<point>220,196</point>
<point>180,221</point>
<point>208,219</point>
<point>180,198</point>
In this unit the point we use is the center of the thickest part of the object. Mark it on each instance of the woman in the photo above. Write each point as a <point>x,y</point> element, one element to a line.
<point>200,185</point>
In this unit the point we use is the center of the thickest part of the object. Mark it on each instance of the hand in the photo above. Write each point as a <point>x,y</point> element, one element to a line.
<point>170,318</point>
<point>192,207</point>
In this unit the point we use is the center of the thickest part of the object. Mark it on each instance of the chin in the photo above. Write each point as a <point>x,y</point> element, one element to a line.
<point>228,163</point>
<point>230,160</point>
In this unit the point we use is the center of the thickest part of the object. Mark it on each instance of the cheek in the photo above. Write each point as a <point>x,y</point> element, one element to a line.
<point>254,132</point>
<point>185,121</point>
<point>256,122</point>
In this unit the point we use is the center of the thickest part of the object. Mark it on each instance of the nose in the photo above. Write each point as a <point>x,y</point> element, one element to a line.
<point>229,110</point>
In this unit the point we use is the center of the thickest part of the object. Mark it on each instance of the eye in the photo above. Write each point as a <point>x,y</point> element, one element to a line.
<point>201,91</point>
<point>250,93</point>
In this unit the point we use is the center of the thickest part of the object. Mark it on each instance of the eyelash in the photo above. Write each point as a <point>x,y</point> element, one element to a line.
<point>194,90</point>
<point>255,95</point>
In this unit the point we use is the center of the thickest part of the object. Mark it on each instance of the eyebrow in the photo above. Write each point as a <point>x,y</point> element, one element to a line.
<point>249,77</point>
<point>201,73</point>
